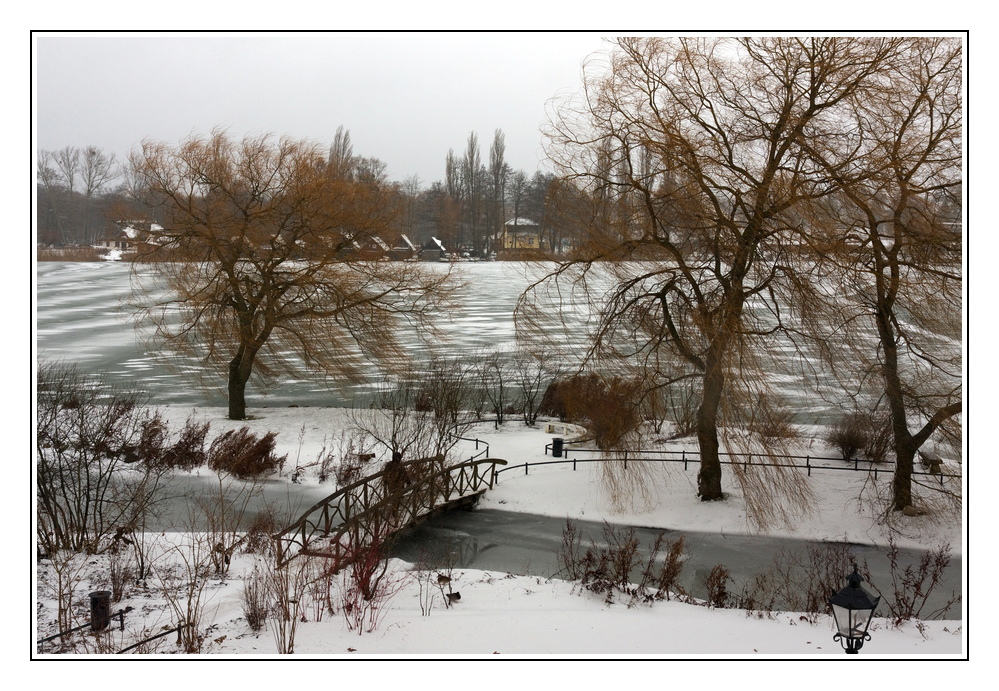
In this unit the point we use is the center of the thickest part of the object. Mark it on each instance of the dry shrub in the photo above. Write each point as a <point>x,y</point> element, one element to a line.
<point>258,538</point>
<point>367,582</point>
<point>880,441</point>
<point>798,581</point>
<point>286,588</point>
<point>867,433</point>
<point>183,585</point>
<point>660,581</point>
<point>569,558</point>
<point>255,599</point>
<point>608,406</point>
<point>608,570</point>
<point>121,573</point>
<point>188,450</point>
<point>849,435</point>
<point>716,584</point>
<point>771,420</point>
<point>243,454</point>
<point>70,254</point>
<point>912,586</point>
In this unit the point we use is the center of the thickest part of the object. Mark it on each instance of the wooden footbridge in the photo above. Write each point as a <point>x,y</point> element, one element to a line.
<point>374,508</point>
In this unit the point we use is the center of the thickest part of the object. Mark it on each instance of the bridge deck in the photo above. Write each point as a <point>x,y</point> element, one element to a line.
<point>370,510</point>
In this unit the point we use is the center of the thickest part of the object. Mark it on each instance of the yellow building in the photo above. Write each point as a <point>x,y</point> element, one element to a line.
<point>521,234</point>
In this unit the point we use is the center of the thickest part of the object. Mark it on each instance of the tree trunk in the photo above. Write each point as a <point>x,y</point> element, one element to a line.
<point>238,376</point>
<point>709,476</point>
<point>901,486</point>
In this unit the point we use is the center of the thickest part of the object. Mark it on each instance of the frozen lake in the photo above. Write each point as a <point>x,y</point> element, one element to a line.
<point>81,318</point>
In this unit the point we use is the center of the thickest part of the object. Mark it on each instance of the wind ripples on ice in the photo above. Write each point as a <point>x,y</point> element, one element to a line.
<point>81,319</point>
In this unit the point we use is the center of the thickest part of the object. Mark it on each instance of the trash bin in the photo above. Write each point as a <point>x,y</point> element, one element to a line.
<point>100,610</point>
<point>557,447</point>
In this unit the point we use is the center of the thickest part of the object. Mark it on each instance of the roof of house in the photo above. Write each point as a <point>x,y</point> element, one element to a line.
<point>404,243</point>
<point>520,221</point>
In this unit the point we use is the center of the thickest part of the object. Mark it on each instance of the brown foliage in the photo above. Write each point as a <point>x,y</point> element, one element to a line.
<point>264,237</point>
<point>243,454</point>
<point>608,406</point>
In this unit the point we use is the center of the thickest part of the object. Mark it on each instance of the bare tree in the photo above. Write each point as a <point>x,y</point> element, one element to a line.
<point>393,421</point>
<point>255,245</point>
<point>897,247</point>
<point>695,150</point>
<point>97,470</point>
<point>471,173</point>
<point>67,159</point>
<point>50,179</point>
<point>499,172</point>
<point>494,375</point>
<point>533,372</point>
<point>97,169</point>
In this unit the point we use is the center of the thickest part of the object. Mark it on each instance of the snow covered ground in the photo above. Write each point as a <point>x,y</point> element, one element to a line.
<point>504,615</point>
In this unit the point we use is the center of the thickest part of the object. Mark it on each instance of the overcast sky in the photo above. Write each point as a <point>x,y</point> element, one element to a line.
<point>406,98</point>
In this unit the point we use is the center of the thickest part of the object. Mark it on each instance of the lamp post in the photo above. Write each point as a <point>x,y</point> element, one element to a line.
<point>853,610</point>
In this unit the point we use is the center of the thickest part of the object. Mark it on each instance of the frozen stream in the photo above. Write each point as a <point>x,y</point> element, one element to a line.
<point>488,539</point>
<point>511,542</point>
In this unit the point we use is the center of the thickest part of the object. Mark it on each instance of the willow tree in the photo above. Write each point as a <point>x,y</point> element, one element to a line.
<point>695,151</point>
<point>255,243</point>
<point>895,248</point>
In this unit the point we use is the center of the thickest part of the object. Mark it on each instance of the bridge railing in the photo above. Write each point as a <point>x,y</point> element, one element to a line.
<point>380,504</point>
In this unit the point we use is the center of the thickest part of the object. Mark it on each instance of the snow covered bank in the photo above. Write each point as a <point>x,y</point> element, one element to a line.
<point>527,616</point>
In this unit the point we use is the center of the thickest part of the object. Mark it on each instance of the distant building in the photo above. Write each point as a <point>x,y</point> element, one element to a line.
<point>403,249</point>
<point>124,240</point>
<point>127,240</point>
<point>433,251</point>
<point>372,248</point>
<point>520,234</point>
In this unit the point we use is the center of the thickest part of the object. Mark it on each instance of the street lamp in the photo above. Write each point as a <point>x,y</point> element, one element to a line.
<point>853,610</point>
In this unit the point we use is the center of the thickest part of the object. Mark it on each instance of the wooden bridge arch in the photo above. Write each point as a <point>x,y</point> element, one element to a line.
<point>377,506</point>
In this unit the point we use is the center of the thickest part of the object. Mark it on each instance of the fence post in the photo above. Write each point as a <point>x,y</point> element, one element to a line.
<point>808,464</point>
<point>683,455</point>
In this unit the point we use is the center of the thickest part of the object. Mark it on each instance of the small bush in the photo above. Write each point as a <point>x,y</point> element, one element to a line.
<point>772,420</point>
<point>255,600</point>
<point>850,435</point>
<point>912,586</point>
<point>244,455</point>
<point>188,451</point>
<point>660,582</point>
<point>798,581</point>
<point>879,441</point>
<point>608,570</point>
<point>607,406</point>
<point>716,584</point>
<point>258,538</point>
